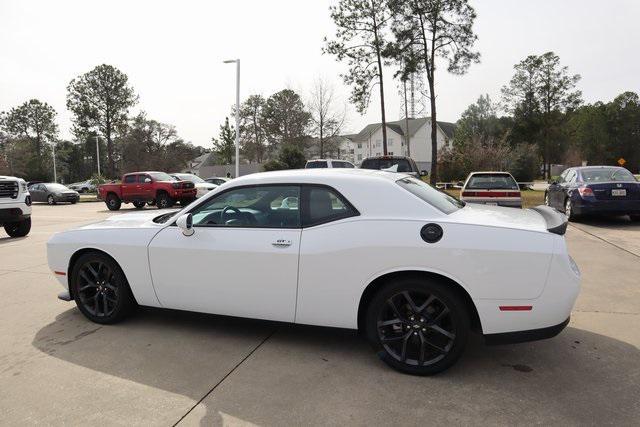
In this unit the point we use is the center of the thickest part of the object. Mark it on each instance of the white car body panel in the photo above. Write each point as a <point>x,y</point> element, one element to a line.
<point>231,271</point>
<point>20,201</point>
<point>499,256</point>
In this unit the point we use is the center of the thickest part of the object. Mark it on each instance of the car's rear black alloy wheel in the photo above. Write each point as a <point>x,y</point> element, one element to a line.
<point>416,328</point>
<point>97,288</point>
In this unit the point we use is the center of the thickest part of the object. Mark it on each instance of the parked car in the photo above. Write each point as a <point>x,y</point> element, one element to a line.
<point>595,190</point>
<point>328,163</point>
<point>415,274</point>
<point>15,206</point>
<point>202,186</point>
<point>218,180</point>
<point>83,187</point>
<point>491,188</point>
<point>139,188</point>
<point>401,164</point>
<point>53,193</point>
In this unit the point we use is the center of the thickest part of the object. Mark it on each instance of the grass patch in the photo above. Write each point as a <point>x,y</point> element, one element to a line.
<point>530,198</point>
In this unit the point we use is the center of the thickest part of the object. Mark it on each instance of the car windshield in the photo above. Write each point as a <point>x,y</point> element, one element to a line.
<point>189,177</point>
<point>492,181</point>
<point>435,198</point>
<point>56,187</point>
<point>161,176</point>
<point>391,165</point>
<point>606,174</point>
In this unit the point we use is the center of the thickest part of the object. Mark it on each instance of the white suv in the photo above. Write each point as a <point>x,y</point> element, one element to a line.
<point>328,163</point>
<point>15,206</point>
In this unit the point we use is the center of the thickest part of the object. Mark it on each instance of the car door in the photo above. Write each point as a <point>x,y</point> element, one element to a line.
<point>242,259</point>
<point>36,193</point>
<point>554,190</point>
<point>145,187</point>
<point>130,187</point>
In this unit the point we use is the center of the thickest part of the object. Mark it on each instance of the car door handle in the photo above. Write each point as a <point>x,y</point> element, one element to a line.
<point>281,243</point>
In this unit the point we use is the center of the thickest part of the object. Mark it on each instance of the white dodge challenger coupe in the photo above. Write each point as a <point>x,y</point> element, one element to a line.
<point>412,268</point>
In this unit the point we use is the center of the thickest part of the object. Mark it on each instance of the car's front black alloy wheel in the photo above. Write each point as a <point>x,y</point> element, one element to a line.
<point>419,328</point>
<point>100,289</point>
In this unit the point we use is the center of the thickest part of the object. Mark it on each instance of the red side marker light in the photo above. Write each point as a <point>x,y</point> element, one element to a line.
<point>60,273</point>
<point>516,307</point>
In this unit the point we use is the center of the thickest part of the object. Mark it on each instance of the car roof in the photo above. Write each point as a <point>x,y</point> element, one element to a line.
<point>319,176</point>
<point>597,167</point>
<point>389,157</point>
<point>485,172</point>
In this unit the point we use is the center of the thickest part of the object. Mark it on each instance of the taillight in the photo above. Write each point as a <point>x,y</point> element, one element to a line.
<point>585,191</point>
<point>468,193</point>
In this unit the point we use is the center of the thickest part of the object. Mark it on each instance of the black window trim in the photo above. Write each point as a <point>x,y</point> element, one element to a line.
<point>302,206</point>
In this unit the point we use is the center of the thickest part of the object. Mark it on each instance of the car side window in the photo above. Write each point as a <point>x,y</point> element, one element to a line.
<point>263,206</point>
<point>141,178</point>
<point>324,204</point>
<point>571,177</point>
<point>130,179</point>
<point>563,176</point>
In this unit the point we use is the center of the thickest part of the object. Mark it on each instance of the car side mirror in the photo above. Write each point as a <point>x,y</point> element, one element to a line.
<point>423,173</point>
<point>185,223</point>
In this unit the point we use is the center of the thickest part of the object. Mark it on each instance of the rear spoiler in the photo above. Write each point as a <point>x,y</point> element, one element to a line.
<point>556,221</point>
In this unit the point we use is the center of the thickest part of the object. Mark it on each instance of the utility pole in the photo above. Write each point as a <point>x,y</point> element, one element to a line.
<point>98,152</point>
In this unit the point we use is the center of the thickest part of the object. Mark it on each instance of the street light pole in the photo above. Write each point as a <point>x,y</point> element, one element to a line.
<point>98,153</point>
<point>55,174</point>
<point>237,62</point>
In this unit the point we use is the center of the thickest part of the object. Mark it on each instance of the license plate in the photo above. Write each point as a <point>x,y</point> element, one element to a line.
<point>619,192</point>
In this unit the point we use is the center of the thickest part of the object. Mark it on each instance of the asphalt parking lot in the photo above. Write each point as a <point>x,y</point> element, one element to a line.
<point>166,368</point>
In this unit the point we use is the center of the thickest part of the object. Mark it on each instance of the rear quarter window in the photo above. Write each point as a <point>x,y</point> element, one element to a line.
<point>439,200</point>
<point>316,165</point>
<point>491,181</point>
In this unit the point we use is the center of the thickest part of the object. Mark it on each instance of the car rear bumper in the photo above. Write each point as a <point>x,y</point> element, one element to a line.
<point>612,207</point>
<point>518,320</point>
<point>525,336</point>
<point>510,203</point>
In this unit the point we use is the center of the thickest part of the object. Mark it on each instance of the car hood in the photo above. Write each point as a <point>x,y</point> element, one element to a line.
<point>129,220</point>
<point>498,216</point>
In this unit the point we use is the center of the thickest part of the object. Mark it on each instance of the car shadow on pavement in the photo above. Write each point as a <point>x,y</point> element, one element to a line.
<point>7,239</point>
<point>313,375</point>
<point>614,222</point>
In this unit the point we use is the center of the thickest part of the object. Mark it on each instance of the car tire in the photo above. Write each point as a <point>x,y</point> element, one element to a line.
<point>139,205</point>
<point>100,289</point>
<point>568,209</point>
<point>18,229</point>
<point>50,200</point>
<point>113,202</point>
<point>73,202</point>
<point>422,334</point>
<point>163,201</point>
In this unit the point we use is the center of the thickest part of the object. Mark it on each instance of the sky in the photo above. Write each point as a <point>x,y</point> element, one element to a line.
<point>173,53</point>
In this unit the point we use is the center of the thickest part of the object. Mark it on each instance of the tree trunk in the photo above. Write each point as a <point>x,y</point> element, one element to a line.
<point>434,134</point>
<point>384,120</point>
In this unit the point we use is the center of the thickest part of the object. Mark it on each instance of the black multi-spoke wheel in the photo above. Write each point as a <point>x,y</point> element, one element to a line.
<point>100,288</point>
<point>419,326</point>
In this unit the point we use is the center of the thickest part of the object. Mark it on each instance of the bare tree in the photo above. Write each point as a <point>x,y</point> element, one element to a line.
<point>327,118</point>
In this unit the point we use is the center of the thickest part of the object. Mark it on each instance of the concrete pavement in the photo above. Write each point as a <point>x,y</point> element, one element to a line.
<point>165,367</point>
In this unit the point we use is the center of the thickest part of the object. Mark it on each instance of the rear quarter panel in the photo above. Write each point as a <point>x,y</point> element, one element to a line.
<point>489,262</point>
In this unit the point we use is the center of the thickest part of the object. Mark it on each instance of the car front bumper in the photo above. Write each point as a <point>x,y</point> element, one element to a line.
<point>15,210</point>
<point>66,198</point>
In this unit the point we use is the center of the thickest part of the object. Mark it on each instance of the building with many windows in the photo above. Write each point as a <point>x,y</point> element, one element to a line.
<point>413,140</point>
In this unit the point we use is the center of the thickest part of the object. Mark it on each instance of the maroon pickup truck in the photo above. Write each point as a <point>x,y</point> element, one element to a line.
<point>140,188</point>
